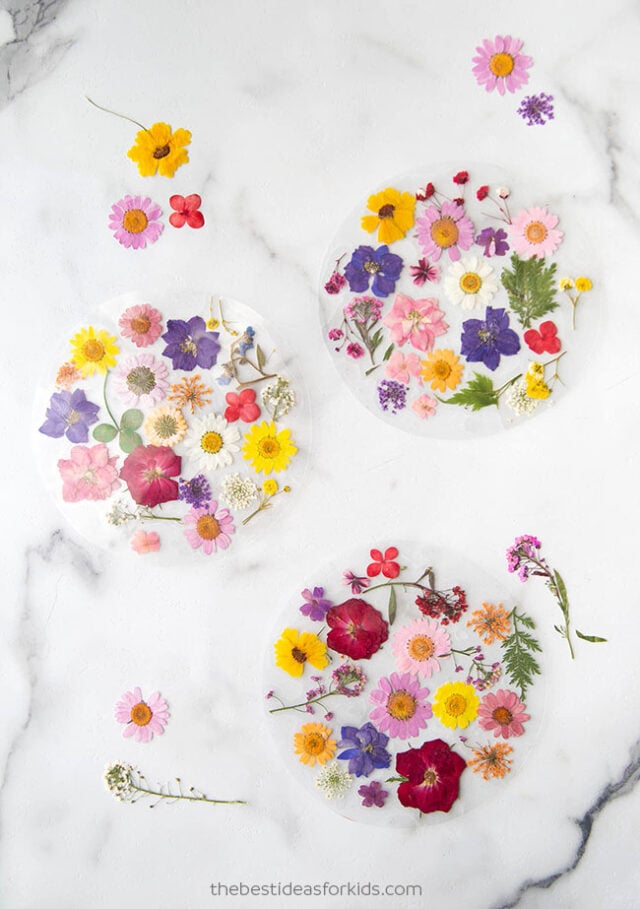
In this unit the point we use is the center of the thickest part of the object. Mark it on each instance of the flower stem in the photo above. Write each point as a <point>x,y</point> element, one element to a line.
<point>115,114</point>
<point>106,403</point>
<point>320,697</point>
<point>396,584</point>
<point>186,798</point>
<point>261,507</point>
<point>158,517</point>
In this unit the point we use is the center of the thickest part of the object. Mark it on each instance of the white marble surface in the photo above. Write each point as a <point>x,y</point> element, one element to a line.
<point>297,110</point>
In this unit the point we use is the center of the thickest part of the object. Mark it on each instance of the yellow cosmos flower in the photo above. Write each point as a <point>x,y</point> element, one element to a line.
<point>158,150</point>
<point>443,369</point>
<point>393,214</point>
<point>93,351</point>
<point>583,284</point>
<point>294,649</point>
<point>314,744</point>
<point>456,704</point>
<point>536,385</point>
<point>267,449</point>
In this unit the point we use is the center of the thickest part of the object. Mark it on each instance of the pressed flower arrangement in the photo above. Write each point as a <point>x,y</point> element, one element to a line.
<point>405,681</point>
<point>172,422</point>
<point>444,307</point>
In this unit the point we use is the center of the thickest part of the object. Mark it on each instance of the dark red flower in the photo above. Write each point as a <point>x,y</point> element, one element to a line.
<point>459,201</point>
<point>433,774</point>
<point>241,406</point>
<point>335,283</point>
<point>445,605</point>
<point>429,190</point>
<point>185,211</point>
<point>384,563</point>
<point>461,177</point>
<point>357,629</point>
<point>545,340</point>
<point>147,470</point>
<point>482,193</point>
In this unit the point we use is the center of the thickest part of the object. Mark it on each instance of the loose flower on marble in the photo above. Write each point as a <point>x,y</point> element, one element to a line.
<point>424,406</point>
<point>500,65</point>
<point>144,542</point>
<point>455,704</point>
<point>384,562</point>
<point>294,649</point>
<point>357,584</point>
<point>211,442</point>
<point>186,211</point>
<point>392,395</point>
<point>431,776</point>
<point>393,214</point>
<point>88,474</point>
<point>267,448</point>
<point>537,109</point>
<point>534,233</point>
<point>160,150</point>
<point>70,414</point>
<point>535,382</point>
<point>141,324</point>
<point>424,271</point>
<point>494,242</point>
<point>503,713</point>
<point>447,606</point>
<point>313,744</point>
<point>581,285</point>
<point>379,264</point>
<point>93,351</point>
<point>196,491</point>
<point>165,425</point>
<point>401,367</point>
<point>402,709</point>
<point>209,527</point>
<point>544,339</point>
<point>67,376</point>
<point>127,784</point>
<point>241,406</point>
<point>238,492</point>
<point>491,623</point>
<point>142,719</point>
<point>418,322</point>
<point>149,471</point>
<point>135,221</point>
<point>278,397</point>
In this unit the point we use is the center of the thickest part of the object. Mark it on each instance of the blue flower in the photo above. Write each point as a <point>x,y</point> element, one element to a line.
<point>381,265</point>
<point>70,414</point>
<point>246,341</point>
<point>484,341</point>
<point>366,749</point>
<point>189,344</point>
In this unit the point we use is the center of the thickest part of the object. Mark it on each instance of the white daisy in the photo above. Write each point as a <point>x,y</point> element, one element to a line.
<point>212,442</point>
<point>470,283</point>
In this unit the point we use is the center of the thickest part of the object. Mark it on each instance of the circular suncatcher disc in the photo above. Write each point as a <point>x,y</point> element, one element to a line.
<point>451,301</point>
<point>399,686</point>
<point>172,424</point>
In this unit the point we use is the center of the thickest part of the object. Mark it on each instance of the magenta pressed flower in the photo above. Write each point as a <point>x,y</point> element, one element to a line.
<point>89,473</point>
<point>355,350</point>
<point>315,605</point>
<point>148,472</point>
<point>142,719</point>
<point>419,322</point>
<point>432,776</point>
<point>503,712</point>
<point>419,646</point>
<point>356,583</point>
<point>135,222</point>
<point>373,795</point>
<point>209,527</point>
<point>500,65</point>
<point>402,708</point>
<point>445,228</point>
<point>423,272</point>
<point>534,233</point>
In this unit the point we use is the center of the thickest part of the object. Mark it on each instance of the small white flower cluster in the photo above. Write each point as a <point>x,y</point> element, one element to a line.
<point>518,399</point>
<point>238,492</point>
<point>117,778</point>
<point>334,780</point>
<point>118,514</point>
<point>278,397</point>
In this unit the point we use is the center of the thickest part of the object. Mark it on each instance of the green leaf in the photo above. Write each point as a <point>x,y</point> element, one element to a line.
<point>531,287</point>
<point>104,432</point>
<point>261,357</point>
<point>131,420</point>
<point>129,440</point>
<point>478,393</point>
<point>388,353</point>
<point>592,638</point>
<point>562,591</point>
<point>376,339</point>
<point>393,606</point>
<point>517,653</point>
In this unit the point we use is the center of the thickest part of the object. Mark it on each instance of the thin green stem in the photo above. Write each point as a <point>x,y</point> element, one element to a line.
<point>115,114</point>
<point>187,798</point>
<point>106,403</point>
<point>396,584</point>
<point>158,517</point>
<point>320,697</point>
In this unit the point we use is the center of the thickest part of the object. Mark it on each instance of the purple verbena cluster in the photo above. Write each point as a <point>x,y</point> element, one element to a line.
<point>536,109</point>
<point>392,395</point>
<point>196,491</point>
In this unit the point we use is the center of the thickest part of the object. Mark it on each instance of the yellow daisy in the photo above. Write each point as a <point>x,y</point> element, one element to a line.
<point>267,449</point>
<point>314,744</point>
<point>393,214</point>
<point>158,150</point>
<point>93,351</point>
<point>294,649</point>
<point>456,704</point>
<point>443,369</point>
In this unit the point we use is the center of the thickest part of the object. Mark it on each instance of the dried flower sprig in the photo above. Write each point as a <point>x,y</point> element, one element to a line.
<point>347,680</point>
<point>270,489</point>
<point>525,559</point>
<point>127,784</point>
<point>573,290</point>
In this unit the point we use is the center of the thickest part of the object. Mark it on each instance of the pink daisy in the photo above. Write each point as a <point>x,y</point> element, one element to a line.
<point>533,233</point>
<point>88,474</point>
<point>143,324</point>
<point>212,527</point>
<point>444,228</point>
<point>418,321</point>
<point>504,712</point>
<point>418,645</point>
<point>500,64</point>
<point>134,221</point>
<point>424,406</point>
<point>402,709</point>
<point>141,379</point>
<point>143,719</point>
<point>401,367</point>
<point>143,542</point>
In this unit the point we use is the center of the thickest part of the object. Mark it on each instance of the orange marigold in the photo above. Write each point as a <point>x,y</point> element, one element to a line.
<point>491,623</point>
<point>191,392</point>
<point>492,760</point>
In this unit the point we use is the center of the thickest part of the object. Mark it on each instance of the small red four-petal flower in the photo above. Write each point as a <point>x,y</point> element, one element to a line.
<point>545,340</point>
<point>185,211</point>
<point>384,563</point>
<point>241,406</point>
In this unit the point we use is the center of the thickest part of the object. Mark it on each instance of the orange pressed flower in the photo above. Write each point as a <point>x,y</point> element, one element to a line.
<point>191,392</point>
<point>491,623</point>
<point>314,744</point>
<point>67,376</point>
<point>492,760</point>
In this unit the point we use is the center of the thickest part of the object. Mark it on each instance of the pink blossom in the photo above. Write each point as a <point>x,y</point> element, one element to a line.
<point>210,527</point>
<point>88,474</point>
<point>143,542</point>
<point>443,228</point>
<point>355,350</point>
<point>142,719</point>
<point>533,233</point>
<point>142,324</point>
<point>418,321</point>
<point>147,471</point>
<point>503,712</point>
<point>401,367</point>
<point>500,65</point>
<point>424,406</point>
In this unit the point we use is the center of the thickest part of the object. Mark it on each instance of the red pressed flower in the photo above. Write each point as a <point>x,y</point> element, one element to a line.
<point>335,283</point>
<point>357,629</point>
<point>433,774</point>
<point>461,177</point>
<point>147,471</point>
<point>445,605</point>
<point>482,193</point>
<point>429,190</point>
<point>185,210</point>
<point>384,563</point>
<point>545,340</point>
<point>458,201</point>
<point>241,406</point>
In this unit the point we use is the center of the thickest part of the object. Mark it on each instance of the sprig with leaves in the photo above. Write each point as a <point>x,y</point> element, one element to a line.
<point>531,287</point>
<point>518,650</point>
<point>479,392</point>
<point>127,784</point>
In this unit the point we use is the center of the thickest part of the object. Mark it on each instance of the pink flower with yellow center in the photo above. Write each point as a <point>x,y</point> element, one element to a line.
<point>402,708</point>
<point>533,233</point>
<point>142,719</point>
<point>419,645</point>
<point>500,65</point>
<point>445,228</point>
<point>418,321</point>
<point>503,712</point>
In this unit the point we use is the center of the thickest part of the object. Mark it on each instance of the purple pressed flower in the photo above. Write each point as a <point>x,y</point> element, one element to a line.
<point>196,492</point>
<point>392,395</point>
<point>423,272</point>
<point>335,283</point>
<point>381,265</point>
<point>356,583</point>
<point>494,241</point>
<point>316,606</point>
<point>373,794</point>
<point>536,109</point>
<point>70,414</point>
<point>349,680</point>
<point>189,344</point>
<point>366,749</point>
<point>524,556</point>
<point>486,340</point>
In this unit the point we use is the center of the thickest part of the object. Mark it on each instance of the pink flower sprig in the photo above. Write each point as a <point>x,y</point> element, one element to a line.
<point>347,680</point>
